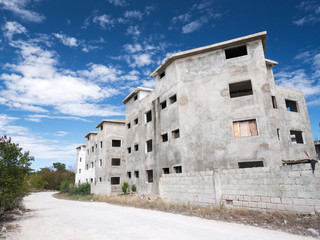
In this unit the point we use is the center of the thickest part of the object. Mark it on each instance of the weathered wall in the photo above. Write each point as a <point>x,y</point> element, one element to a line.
<point>287,188</point>
<point>101,188</point>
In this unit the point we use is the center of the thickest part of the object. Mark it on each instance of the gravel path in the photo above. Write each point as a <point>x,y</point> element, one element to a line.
<point>56,219</point>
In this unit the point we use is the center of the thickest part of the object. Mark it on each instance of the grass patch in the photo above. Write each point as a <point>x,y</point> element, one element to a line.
<point>287,222</point>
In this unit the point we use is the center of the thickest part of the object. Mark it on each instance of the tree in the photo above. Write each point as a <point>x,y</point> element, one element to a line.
<point>59,166</point>
<point>14,167</point>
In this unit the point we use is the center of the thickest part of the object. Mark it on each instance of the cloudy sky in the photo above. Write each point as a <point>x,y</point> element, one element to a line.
<point>65,65</point>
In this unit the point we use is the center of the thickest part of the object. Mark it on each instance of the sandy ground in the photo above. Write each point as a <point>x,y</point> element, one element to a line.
<point>52,218</point>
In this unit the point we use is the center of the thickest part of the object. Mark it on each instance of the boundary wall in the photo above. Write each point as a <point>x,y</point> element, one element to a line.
<point>291,188</point>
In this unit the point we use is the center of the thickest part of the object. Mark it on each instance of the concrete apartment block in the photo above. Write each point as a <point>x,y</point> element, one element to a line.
<point>214,107</point>
<point>105,163</point>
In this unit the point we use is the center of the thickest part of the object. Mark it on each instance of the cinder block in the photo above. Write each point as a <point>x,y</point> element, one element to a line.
<point>282,207</point>
<point>272,206</point>
<point>286,200</point>
<point>247,198</point>
<point>265,199</point>
<point>299,201</point>
<point>256,198</point>
<point>275,200</point>
<point>262,205</point>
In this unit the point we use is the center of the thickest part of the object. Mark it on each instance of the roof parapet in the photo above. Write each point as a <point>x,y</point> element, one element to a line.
<point>271,62</point>
<point>89,133</point>
<point>138,89</point>
<point>225,44</point>
<point>121,121</point>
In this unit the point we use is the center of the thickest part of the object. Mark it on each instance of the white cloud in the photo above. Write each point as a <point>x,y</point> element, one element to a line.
<point>141,60</point>
<point>191,27</point>
<point>311,9</point>
<point>18,7</point>
<point>68,41</point>
<point>12,28</point>
<point>133,48</point>
<point>133,30</point>
<point>39,117</point>
<point>36,83</point>
<point>120,3</point>
<point>148,83</point>
<point>61,133</point>
<point>133,14</point>
<point>181,18</point>
<point>104,21</point>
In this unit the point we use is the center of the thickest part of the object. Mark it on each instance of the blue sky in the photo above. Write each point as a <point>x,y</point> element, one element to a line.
<point>65,65</point>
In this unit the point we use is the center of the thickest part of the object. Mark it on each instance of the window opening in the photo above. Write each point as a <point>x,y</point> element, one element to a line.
<point>87,166</point>
<point>129,125</point>
<point>100,163</point>
<point>296,136</point>
<point>173,99</point>
<point>175,134</point>
<point>150,176</point>
<point>278,133</point>
<point>129,174</point>
<point>291,106</point>
<point>115,180</point>
<point>136,147</point>
<point>274,102</point>
<point>165,170</point>
<point>92,149</point>
<point>164,137</point>
<point>149,146</point>
<point>136,121</point>
<point>80,159</point>
<point>91,180</point>
<point>129,149</point>
<point>251,164</point>
<point>116,143</point>
<point>163,104</point>
<point>100,144</point>
<point>115,162</point>
<point>100,179</point>
<point>148,116</point>
<point>240,89</point>
<point>177,169</point>
<point>236,52</point>
<point>79,170</point>
<point>245,128</point>
<point>136,174</point>
<point>101,127</point>
<point>135,97</point>
<point>91,164</point>
<point>161,75</point>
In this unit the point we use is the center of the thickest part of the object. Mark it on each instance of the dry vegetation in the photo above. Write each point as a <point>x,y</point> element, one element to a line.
<point>287,222</point>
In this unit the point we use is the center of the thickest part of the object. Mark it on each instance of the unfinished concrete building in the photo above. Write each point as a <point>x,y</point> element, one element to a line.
<point>214,107</point>
<point>101,161</point>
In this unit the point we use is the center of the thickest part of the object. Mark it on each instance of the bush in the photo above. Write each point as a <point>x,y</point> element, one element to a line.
<point>14,167</point>
<point>82,189</point>
<point>65,186</point>
<point>125,187</point>
<point>133,188</point>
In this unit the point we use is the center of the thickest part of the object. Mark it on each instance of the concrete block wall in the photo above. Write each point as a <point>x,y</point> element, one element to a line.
<point>194,188</point>
<point>103,188</point>
<point>291,188</point>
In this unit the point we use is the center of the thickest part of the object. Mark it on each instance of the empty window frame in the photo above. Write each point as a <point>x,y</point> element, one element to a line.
<point>163,104</point>
<point>240,89</point>
<point>136,121</point>
<point>79,170</point>
<point>116,143</point>
<point>88,151</point>
<point>164,137</point>
<point>149,176</point>
<point>129,174</point>
<point>274,102</point>
<point>80,160</point>
<point>251,164</point>
<point>278,133</point>
<point>100,162</point>
<point>101,127</point>
<point>136,147</point>
<point>296,136</point>
<point>91,180</point>
<point>100,179</point>
<point>173,99</point>
<point>165,170</point>
<point>115,180</point>
<point>115,161</point>
<point>161,75</point>
<point>87,166</point>
<point>148,116</point>
<point>96,145</point>
<point>177,169</point>
<point>175,134</point>
<point>128,125</point>
<point>135,97</point>
<point>291,105</point>
<point>136,174</point>
<point>92,149</point>
<point>100,144</point>
<point>149,146</point>
<point>245,128</point>
<point>236,52</point>
<point>91,164</point>
<point>129,149</point>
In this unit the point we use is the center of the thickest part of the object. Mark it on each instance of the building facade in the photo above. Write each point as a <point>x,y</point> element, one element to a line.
<point>214,107</point>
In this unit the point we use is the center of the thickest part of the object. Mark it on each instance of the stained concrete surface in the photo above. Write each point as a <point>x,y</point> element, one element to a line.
<point>52,218</point>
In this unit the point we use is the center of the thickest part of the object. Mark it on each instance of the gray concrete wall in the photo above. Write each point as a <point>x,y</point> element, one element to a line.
<point>292,188</point>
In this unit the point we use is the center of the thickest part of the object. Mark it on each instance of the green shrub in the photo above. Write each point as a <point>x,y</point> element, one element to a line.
<point>133,188</point>
<point>65,186</point>
<point>125,187</point>
<point>82,189</point>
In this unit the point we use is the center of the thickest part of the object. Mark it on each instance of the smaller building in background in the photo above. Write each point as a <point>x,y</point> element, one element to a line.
<point>317,146</point>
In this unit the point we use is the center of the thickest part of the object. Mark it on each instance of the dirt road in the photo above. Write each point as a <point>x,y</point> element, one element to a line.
<point>56,219</point>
